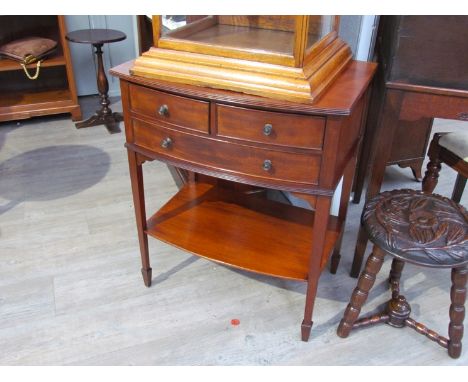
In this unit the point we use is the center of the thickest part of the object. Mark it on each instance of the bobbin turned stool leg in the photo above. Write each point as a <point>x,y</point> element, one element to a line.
<point>360,293</point>
<point>457,311</point>
<point>395,276</point>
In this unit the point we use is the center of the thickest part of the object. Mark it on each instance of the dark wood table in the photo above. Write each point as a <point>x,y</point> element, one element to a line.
<point>408,103</point>
<point>99,37</point>
<point>422,75</point>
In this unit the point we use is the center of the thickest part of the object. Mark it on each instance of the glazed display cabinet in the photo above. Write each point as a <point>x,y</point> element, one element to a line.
<point>284,57</point>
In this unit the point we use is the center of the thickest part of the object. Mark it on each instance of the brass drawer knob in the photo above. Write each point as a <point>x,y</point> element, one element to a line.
<point>267,129</point>
<point>164,110</point>
<point>267,165</point>
<point>166,143</point>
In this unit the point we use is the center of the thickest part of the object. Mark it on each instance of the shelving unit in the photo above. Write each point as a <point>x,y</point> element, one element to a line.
<point>54,92</point>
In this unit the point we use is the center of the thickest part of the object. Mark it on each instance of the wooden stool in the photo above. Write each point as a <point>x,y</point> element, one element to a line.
<point>423,229</point>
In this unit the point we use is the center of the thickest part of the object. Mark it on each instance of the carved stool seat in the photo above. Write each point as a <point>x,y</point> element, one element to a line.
<point>423,229</point>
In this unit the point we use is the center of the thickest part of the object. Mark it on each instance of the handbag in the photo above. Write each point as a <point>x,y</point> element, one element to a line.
<point>29,50</point>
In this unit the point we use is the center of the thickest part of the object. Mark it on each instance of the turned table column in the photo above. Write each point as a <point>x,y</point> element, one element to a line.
<point>99,37</point>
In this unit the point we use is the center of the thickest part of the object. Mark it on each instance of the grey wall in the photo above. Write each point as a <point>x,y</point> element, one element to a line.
<point>350,27</point>
<point>83,58</point>
<point>359,32</point>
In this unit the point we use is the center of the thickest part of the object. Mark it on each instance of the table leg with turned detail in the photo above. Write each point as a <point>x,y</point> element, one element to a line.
<point>103,116</point>
<point>97,38</point>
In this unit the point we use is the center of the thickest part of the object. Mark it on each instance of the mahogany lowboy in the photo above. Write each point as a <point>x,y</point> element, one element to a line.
<point>216,135</point>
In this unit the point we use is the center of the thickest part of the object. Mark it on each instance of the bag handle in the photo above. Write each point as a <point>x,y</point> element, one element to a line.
<point>36,75</point>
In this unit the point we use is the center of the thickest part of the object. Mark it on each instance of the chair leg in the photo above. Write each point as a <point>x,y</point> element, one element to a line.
<point>360,293</point>
<point>433,167</point>
<point>457,311</point>
<point>459,188</point>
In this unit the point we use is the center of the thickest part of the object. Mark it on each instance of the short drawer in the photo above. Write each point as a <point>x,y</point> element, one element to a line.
<point>262,164</point>
<point>180,111</point>
<point>269,127</point>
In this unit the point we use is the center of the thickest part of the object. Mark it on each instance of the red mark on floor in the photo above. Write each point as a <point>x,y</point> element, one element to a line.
<point>235,322</point>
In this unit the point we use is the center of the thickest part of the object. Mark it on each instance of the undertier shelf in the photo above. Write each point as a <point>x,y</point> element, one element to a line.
<point>245,231</point>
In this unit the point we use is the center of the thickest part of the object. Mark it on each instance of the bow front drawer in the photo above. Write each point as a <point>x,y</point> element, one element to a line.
<point>180,111</point>
<point>280,129</point>
<point>259,164</point>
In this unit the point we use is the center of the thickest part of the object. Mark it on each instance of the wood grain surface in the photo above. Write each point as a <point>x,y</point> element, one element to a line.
<point>191,221</point>
<point>228,157</point>
<point>286,129</point>
<point>181,111</point>
<point>338,100</point>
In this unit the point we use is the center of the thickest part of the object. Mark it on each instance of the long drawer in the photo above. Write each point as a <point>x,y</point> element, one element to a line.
<point>264,164</point>
<point>179,111</point>
<point>269,127</point>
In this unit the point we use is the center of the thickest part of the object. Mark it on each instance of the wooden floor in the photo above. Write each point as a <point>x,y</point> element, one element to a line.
<point>71,290</point>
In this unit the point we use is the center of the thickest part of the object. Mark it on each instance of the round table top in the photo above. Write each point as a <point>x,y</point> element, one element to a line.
<point>423,229</point>
<point>95,36</point>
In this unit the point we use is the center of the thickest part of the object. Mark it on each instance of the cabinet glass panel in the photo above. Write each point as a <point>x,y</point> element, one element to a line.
<point>172,23</point>
<point>319,27</point>
<point>262,34</point>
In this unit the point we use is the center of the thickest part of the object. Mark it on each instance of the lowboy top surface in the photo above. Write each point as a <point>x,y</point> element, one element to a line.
<point>339,99</point>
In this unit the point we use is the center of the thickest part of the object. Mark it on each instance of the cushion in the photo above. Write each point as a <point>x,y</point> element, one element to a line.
<point>457,143</point>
